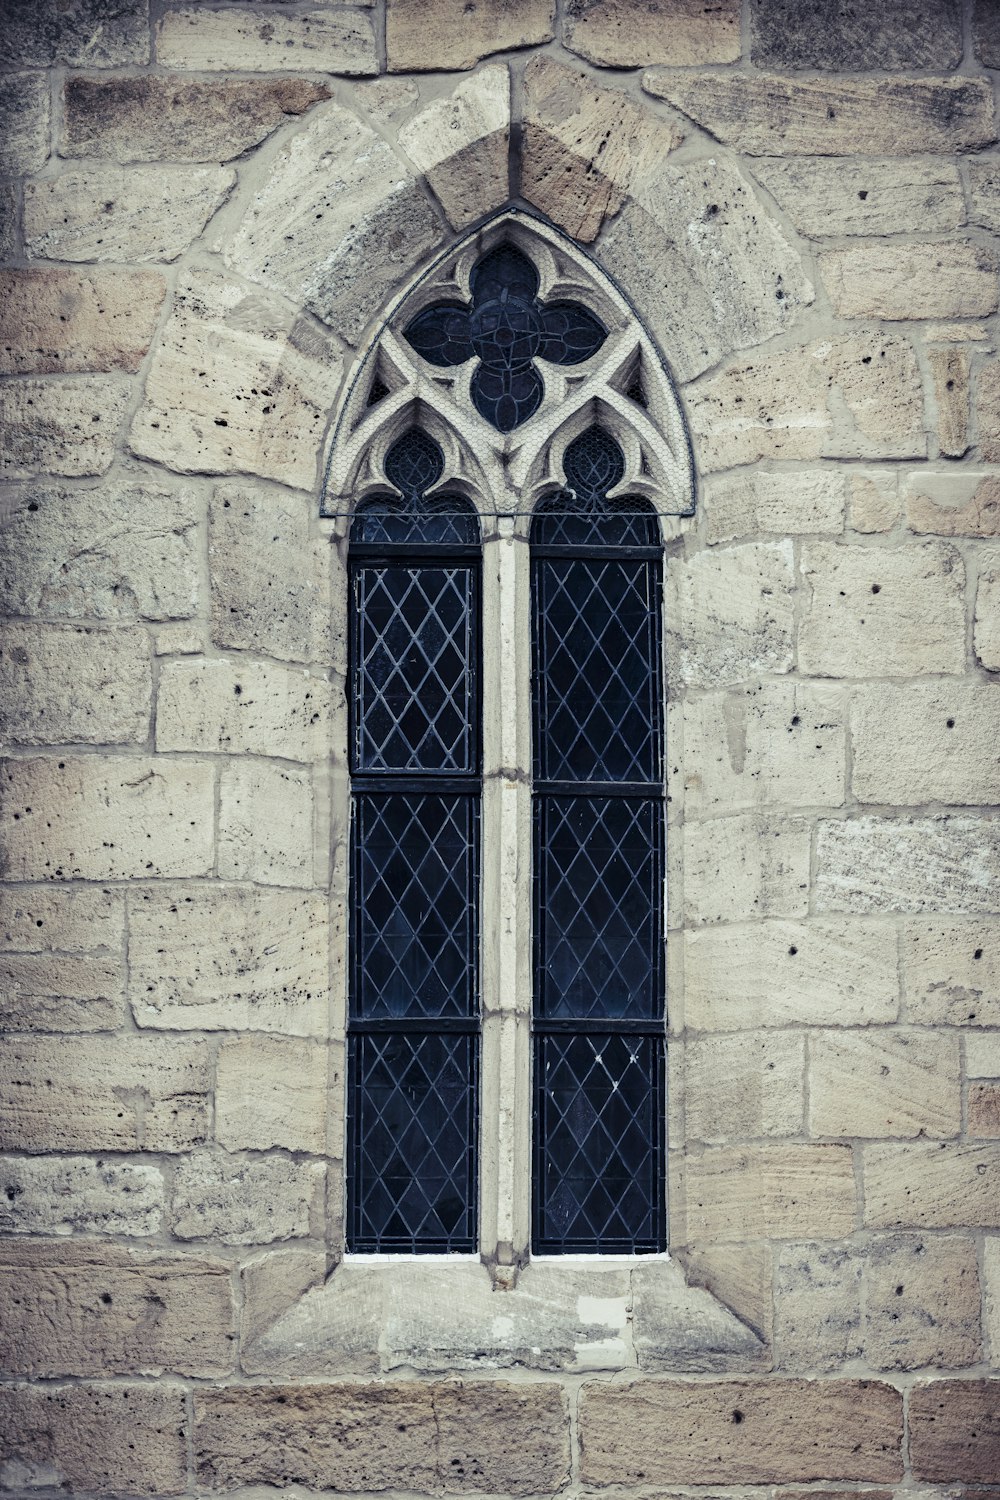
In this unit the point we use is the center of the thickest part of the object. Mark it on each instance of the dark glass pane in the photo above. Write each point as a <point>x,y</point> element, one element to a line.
<point>506,398</point>
<point>446,519</point>
<point>441,334</point>
<point>597,670</point>
<point>598,903</point>
<point>412,1118</point>
<point>414,664</point>
<point>570,334</point>
<point>598,1143</point>
<point>628,522</point>
<point>505,269</point>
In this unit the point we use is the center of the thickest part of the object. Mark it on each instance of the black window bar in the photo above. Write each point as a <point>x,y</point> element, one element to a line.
<point>598,828</point>
<point>415,760</point>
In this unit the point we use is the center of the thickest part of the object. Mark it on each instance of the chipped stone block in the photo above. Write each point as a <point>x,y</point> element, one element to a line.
<point>638,33</point>
<point>24,123</point>
<point>56,426</point>
<point>825,195</point>
<point>743,1086</point>
<point>950,374</point>
<point>953,503</point>
<point>272,1091</point>
<point>61,684</point>
<point>48,919</point>
<point>949,865</point>
<point>266,824</point>
<point>732,613</point>
<point>91,819</point>
<point>986,626</point>
<point>909,34</point>
<point>922,1303</point>
<point>274,1283</point>
<point>62,320</point>
<point>157,117</point>
<point>817,1306</point>
<point>254,708</point>
<point>955,1431</point>
<point>951,971</point>
<point>884,1083</point>
<point>896,612</point>
<point>427,38</point>
<point>79,1195</point>
<point>947,279</point>
<point>745,868</point>
<point>873,501</point>
<point>926,742</point>
<point>460,143</point>
<point>39,992</point>
<point>739,1276</point>
<point>216,957</point>
<point>246,1201</point>
<point>770,1191</point>
<point>984,1111</point>
<point>146,213</point>
<point>340,40</point>
<point>932,1186</point>
<point>737,506</point>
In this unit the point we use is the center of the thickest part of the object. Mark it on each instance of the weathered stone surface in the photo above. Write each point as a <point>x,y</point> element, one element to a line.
<point>237,384</point>
<point>932,1186</point>
<point>584,146</point>
<point>156,117</point>
<point>773,744</point>
<point>124,551</point>
<point>926,742</point>
<point>773,1191</point>
<point>255,708</point>
<point>215,957</point>
<point>950,370</point>
<point>909,34</point>
<point>824,195</point>
<point>884,613</point>
<point>39,992</point>
<point>82,1308</point>
<point>61,320</point>
<point>77,1194</point>
<point>986,33</point>
<point>739,1276</point>
<point>60,427</point>
<point>951,972</point>
<point>146,213</point>
<point>991,1278</point>
<point>638,33</point>
<point>884,1083</point>
<point>266,824</point>
<point>743,1086</point>
<point>10,218</point>
<point>873,501</point>
<point>741,505</point>
<point>984,192</point>
<point>179,638</point>
<point>948,865</point>
<point>988,410</point>
<point>817,1307</point>
<point>745,868</point>
<point>986,626</point>
<point>457,1439</point>
<point>273,1285</point>
<point>922,1303</point>
<point>955,1431</point>
<point>982,1054</point>
<point>731,614</point>
<point>90,819</point>
<point>706,265</point>
<point>674,1432</point>
<point>125,1439</point>
<point>64,919</point>
<point>272,1091</point>
<point>340,40</point>
<point>946,279</point>
<point>270,579</point>
<point>89,34</point>
<point>769,115</point>
<point>427,38</point>
<point>24,122</point>
<point>953,502</point>
<point>780,973</point>
<point>124,1093</point>
<point>984,1111</point>
<point>67,683</point>
<point>246,1202</point>
<point>339,223</point>
<point>460,143</point>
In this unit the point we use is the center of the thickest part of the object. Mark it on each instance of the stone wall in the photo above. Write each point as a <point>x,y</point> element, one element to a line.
<point>206,209</point>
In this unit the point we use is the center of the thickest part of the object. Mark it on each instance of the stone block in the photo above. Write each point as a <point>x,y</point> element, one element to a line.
<point>774,744</point>
<point>984,1111</point>
<point>638,33</point>
<point>252,708</point>
<point>826,195</point>
<point>247,1201</point>
<point>48,919</point>
<point>950,373</point>
<point>56,426</point>
<point>340,221</point>
<point>270,579</point>
<point>922,1303</point>
<point>955,1431</point>
<point>988,411</point>
<point>124,1439</point>
<point>229,958</point>
<point>272,1091</point>
<point>160,117</point>
<point>769,1191</point>
<point>10,219</point>
<point>873,501</point>
<point>817,1306</point>
<point>991,1277</point>
<point>746,868</point>
<point>583,147</point>
<point>274,1283</point>
<point>266,824</point>
<point>932,1186</point>
<point>62,684</point>
<point>982,1054</point>
<point>91,819</point>
<point>731,615</point>
<point>935,741</point>
<point>817,972</point>
<point>237,384</point>
<point>89,34</point>
<point>896,612</point>
<point>884,1083</point>
<point>948,865</point>
<point>986,625</point>
<point>81,992</point>
<point>454,1438</point>
<point>707,266</point>
<point>909,34</point>
<point>767,114</point>
<point>461,142</point>
<point>986,33</point>
<point>125,1093</point>
<point>953,502</point>
<point>736,506</point>
<point>739,1276</point>
<point>146,213</point>
<point>24,123</point>
<point>951,971</point>
<point>124,551</point>
<point>243,38</point>
<point>743,1086</point>
<point>427,39</point>
<point>668,1432</point>
<point>79,1195</point>
<point>983,176</point>
<point>942,279</point>
<point>61,320</point>
<point>79,1307</point>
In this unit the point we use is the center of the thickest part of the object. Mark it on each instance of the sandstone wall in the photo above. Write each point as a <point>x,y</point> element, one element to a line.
<point>205,209</point>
